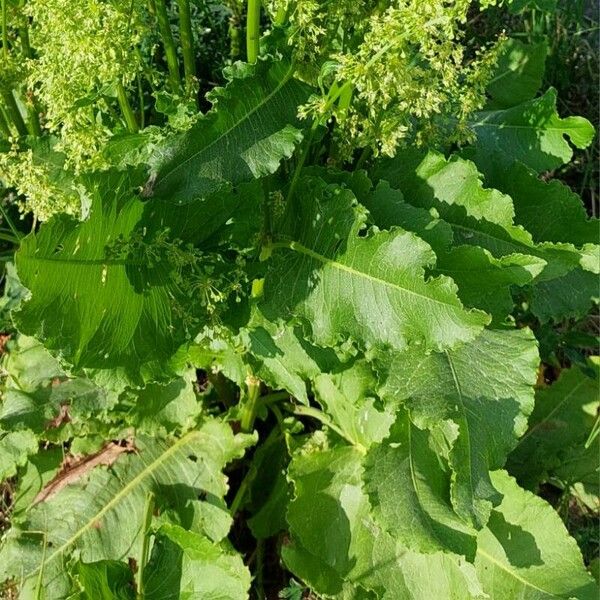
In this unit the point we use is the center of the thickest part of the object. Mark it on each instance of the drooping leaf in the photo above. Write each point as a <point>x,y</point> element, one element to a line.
<point>526,552</point>
<point>185,564</point>
<point>100,514</point>
<point>559,427</point>
<point>348,398</point>
<point>114,291</point>
<point>477,398</point>
<point>106,580</point>
<point>323,272</point>
<point>408,489</point>
<point>518,73</point>
<point>549,211</point>
<point>483,281</point>
<point>252,126</point>
<point>531,132</point>
<point>338,549</point>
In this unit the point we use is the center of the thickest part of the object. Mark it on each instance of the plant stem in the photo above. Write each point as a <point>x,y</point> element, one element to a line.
<point>250,406</point>
<point>10,223</point>
<point>253,31</point>
<point>145,553</point>
<point>126,109</point>
<point>260,563</point>
<point>240,495</point>
<point>169,45</point>
<point>4,128</point>
<point>33,110</point>
<point>4,29</point>
<point>13,112</point>
<point>280,17</point>
<point>187,44</point>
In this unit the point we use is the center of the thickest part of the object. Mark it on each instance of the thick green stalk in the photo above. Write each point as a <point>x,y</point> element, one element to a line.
<point>4,128</point>
<point>250,406</point>
<point>13,112</point>
<point>169,45</point>
<point>126,109</point>
<point>32,110</point>
<point>253,31</point>
<point>187,44</point>
<point>145,553</point>
<point>4,29</point>
<point>280,17</point>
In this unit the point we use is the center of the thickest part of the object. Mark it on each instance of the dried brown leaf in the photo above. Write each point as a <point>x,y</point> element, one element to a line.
<point>74,469</point>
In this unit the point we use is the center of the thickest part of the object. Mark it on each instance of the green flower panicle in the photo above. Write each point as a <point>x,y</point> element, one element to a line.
<point>406,73</point>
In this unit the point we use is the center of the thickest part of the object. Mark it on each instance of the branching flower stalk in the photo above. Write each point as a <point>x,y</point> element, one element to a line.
<point>187,46</point>
<point>169,45</point>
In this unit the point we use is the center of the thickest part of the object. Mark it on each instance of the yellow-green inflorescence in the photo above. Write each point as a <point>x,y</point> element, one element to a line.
<point>400,69</point>
<point>85,50</point>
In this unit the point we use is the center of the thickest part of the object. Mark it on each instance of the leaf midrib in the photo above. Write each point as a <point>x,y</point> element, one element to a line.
<point>145,472</point>
<point>502,566</point>
<point>301,249</point>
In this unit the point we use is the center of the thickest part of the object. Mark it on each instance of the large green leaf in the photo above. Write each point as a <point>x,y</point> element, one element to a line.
<point>408,489</point>
<point>370,288</point>
<point>338,549</point>
<point>532,133</point>
<point>518,73</point>
<point>511,244</point>
<point>115,290</point>
<point>252,126</point>
<point>100,513</point>
<point>188,565</point>
<point>562,421</point>
<point>483,281</point>
<point>526,552</point>
<point>550,211</point>
<point>477,397</point>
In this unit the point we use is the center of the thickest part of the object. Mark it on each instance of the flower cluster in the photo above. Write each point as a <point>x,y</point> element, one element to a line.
<point>398,72</point>
<point>85,49</point>
<point>35,182</point>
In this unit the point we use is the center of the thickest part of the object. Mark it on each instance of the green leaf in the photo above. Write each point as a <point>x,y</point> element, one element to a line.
<point>324,273</point>
<point>15,448</point>
<point>454,181</point>
<point>252,126</point>
<point>526,552</point>
<point>99,513</point>
<point>159,409</point>
<point>531,132</point>
<point>483,281</point>
<point>476,398</point>
<point>561,422</point>
<point>283,358</point>
<point>347,397</point>
<point>549,211</point>
<point>518,74</point>
<point>185,564</point>
<point>338,549</point>
<point>114,291</point>
<point>106,580</point>
<point>408,490</point>
<point>570,296</point>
